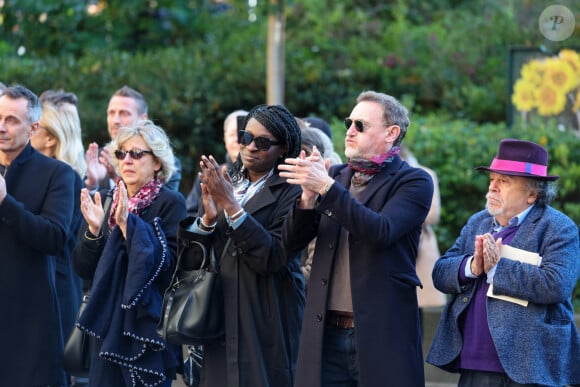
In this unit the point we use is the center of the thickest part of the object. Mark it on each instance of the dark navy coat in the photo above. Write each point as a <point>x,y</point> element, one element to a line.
<point>35,218</point>
<point>384,229</point>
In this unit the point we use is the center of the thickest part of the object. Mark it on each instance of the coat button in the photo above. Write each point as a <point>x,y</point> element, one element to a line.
<point>323,282</point>
<point>318,317</point>
<point>328,212</point>
<point>465,299</point>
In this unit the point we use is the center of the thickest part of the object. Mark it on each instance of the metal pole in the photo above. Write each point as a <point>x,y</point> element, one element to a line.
<point>275,53</point>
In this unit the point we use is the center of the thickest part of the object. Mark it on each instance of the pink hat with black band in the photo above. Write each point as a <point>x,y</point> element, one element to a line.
<point>520,158</point>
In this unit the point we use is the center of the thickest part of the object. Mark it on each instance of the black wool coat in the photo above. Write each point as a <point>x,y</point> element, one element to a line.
<point>35,219</point>
<point>263,295</point>
<point>383,227</point>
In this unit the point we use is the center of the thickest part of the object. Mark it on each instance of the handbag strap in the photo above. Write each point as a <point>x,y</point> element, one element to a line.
<point>108,201</point>
<point>184,242</point>
<point>217,265</point>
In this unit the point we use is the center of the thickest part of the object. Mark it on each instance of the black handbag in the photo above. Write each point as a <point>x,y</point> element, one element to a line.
<point>76,356</point>
<point>193,305</point>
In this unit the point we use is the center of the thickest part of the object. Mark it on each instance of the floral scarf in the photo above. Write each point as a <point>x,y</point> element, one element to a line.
<point>141,200</point>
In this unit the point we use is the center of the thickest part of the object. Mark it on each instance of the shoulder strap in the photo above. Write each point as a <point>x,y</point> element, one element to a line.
<point>108,201</point>
<point>216,265</point>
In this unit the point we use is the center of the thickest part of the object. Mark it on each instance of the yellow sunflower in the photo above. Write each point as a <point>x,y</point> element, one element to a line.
<point>550,100</point>
<point>523,96</point>
<point>532,72</point>
<point>572,58</point>
<point>560,75</point>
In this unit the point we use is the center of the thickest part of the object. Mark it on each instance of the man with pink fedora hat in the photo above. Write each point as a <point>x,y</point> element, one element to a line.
<point>528,338</point>
<point>520,158</point>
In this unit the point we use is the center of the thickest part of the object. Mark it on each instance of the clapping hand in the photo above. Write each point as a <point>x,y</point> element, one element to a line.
<point>308,172</point>
<point>95,170</point>
<point>491,252</point>
<point>92,211</point>
<point>105,159</point>
<point>216,189</point>
<point>122,212</point>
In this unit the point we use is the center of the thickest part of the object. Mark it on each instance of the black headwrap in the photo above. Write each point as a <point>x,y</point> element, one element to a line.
<point>281,124</point>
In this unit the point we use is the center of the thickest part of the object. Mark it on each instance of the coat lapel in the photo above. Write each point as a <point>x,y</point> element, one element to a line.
<point>345,174</point>
<point>265,197</point>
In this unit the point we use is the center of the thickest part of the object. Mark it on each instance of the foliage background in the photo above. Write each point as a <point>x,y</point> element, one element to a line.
<point>197,60</point>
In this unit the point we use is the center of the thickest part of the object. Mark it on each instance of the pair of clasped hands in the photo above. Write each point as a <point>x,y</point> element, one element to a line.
<point>94,213</point>
<point>217,191</point>
<point>487,254</point>
<point>310,172</point>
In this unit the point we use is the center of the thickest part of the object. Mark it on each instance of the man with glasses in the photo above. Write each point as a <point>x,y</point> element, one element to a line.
<point>126,107</point>
<point>361,323</point>
<point>510,275</point>
<point>36,193</point>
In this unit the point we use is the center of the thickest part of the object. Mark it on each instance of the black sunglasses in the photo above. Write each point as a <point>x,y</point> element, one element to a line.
<point>135,154</point>
<point>262,143</point>
<point>358,125</point>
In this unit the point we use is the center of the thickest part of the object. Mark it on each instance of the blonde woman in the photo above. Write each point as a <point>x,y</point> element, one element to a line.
<point>59,136</point>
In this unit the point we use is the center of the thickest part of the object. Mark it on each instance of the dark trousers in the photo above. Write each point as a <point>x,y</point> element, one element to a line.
<point>339,364</point>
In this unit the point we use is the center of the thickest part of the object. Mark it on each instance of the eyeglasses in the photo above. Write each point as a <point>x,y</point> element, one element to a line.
<point>262,143</point>
<point>358,124</point>
<point>135,154</point>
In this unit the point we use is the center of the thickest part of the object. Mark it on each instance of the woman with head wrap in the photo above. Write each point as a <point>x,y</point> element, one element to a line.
<point>243,212</point>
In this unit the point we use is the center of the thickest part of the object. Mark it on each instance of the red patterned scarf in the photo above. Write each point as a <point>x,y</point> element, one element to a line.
<point>141,200</point>
<point>366,169</point>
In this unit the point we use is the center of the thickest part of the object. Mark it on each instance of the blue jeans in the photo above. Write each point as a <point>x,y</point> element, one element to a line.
<point>339,364</point>
<point>470,378</point>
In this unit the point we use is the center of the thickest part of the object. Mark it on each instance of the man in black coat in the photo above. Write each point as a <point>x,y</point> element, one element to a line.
<point>361,321</point>
<point>36,193</point>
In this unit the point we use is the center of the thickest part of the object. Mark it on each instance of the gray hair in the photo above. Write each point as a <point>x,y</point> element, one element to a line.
<point>393,112</point>
<point>17,92</point>
<point>234,115</point>
<point>546,190</point>
<point>156,139</point>
<point>58,97</point>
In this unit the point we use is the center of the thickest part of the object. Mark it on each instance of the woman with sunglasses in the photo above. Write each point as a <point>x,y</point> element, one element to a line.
<point>243,212</point>
<point>128,250</point>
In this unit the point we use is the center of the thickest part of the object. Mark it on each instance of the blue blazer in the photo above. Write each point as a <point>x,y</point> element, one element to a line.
<point>35,219</point>
<point>538,343</point>
<point>384,227</point>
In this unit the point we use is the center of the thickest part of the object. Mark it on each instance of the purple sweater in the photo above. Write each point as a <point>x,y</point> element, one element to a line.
<point>478,352</point>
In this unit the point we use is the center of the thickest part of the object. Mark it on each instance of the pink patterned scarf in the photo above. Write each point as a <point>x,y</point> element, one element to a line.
<point>141,200</point>
<point>364,169</point>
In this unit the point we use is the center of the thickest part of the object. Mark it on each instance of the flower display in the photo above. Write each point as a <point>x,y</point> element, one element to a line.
<point>549,86</point>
